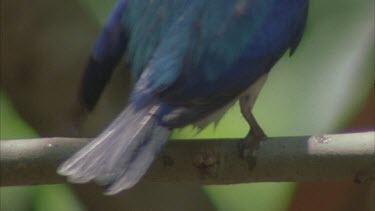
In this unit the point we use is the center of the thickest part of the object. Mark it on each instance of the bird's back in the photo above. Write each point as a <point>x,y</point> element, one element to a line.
<point>201,53</point>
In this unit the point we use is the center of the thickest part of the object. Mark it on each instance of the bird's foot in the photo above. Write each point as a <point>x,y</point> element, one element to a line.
<point>249,146</point>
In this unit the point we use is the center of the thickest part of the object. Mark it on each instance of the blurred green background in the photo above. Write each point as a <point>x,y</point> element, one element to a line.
<point>319,90</point>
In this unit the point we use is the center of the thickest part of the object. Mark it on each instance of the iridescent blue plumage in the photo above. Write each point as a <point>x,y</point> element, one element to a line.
<point>189,59</point>
<point>210,43</point>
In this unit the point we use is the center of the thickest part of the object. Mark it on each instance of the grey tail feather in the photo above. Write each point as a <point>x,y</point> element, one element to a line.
<point>121,154</point>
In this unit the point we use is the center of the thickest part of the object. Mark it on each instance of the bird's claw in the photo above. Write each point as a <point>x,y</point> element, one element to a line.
<point>248,148</point>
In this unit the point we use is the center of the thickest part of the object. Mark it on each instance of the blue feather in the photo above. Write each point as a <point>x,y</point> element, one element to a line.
<point>108,51</point>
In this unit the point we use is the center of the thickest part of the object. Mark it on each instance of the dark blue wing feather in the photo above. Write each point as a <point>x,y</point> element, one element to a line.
<point>109,49</point>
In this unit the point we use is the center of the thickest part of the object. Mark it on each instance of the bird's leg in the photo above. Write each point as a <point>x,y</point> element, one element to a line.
<point>250,144</point>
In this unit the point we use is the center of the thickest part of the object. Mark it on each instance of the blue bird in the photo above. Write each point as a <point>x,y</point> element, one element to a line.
<point>190,61</point>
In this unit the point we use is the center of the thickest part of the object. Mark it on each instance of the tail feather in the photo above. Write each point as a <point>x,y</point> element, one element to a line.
<point>121,154</point>
<point>138,167</point>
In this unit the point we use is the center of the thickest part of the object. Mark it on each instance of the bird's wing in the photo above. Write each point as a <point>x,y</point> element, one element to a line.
<point>109,49</point>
